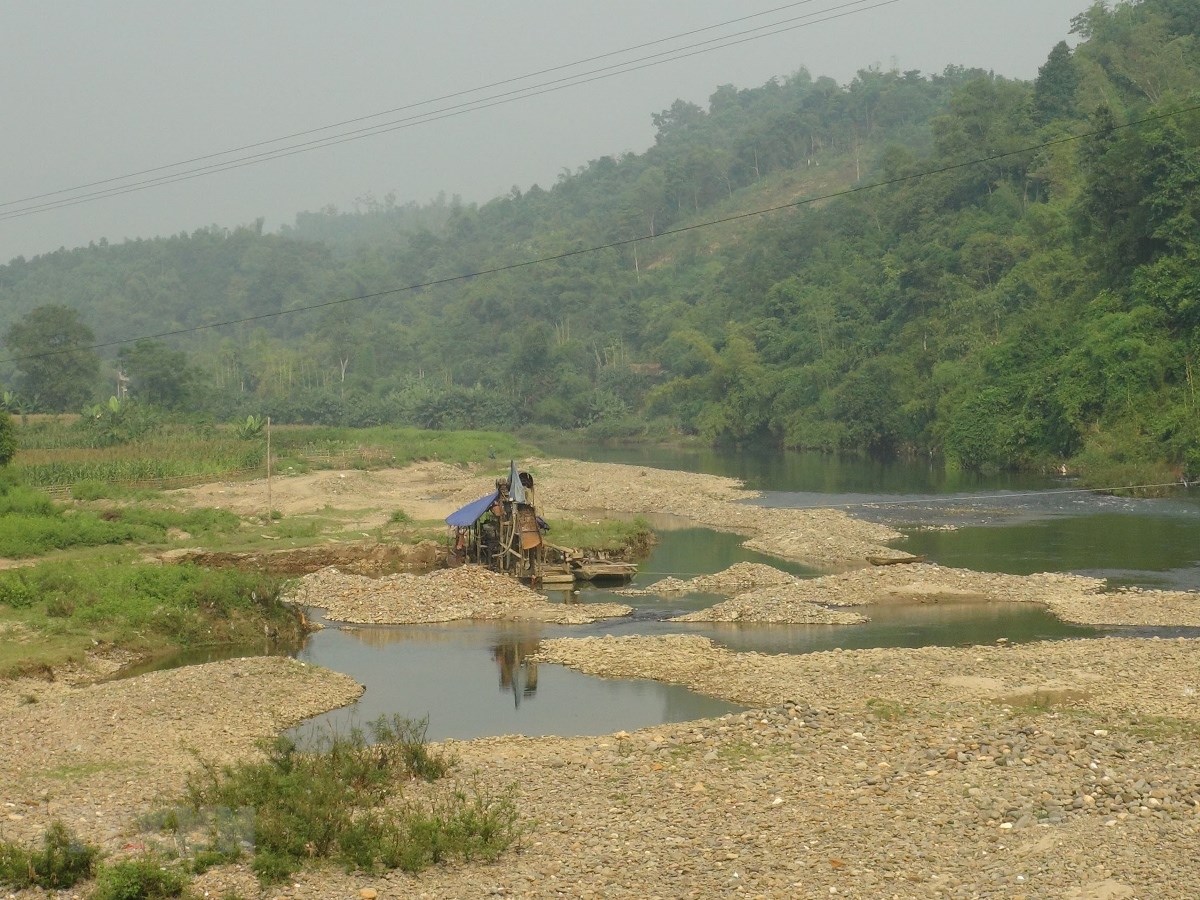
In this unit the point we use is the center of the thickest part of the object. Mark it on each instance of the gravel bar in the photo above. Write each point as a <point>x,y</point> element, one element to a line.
<point>444,595</point>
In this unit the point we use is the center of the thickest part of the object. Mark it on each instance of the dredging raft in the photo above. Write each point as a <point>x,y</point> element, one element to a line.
<point>504,532</point>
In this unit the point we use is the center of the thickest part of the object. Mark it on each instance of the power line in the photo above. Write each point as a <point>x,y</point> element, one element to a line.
<point>568,254</point>
<point>354,121</point>
<point>459,109</point>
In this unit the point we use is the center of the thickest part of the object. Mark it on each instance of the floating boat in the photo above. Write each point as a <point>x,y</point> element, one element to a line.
<point>597,571</point>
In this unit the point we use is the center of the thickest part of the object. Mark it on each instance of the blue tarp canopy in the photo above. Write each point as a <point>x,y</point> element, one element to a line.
<point>470,513</point>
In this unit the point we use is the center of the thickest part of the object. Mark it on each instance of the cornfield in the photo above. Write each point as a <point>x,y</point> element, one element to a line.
<point>51,458</point>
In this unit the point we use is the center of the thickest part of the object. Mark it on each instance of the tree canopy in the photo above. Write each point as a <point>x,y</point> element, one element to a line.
<point>53,352</point>
<point>1033,300</point>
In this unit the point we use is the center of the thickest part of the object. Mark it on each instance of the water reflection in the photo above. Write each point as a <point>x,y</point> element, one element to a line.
<point>518,673</point>
<point>475,680</point>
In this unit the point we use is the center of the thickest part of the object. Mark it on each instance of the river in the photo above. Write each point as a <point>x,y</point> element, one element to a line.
<point>476,679</point>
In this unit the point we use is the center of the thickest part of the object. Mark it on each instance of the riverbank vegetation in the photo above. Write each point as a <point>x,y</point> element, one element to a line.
<point>623,536</point>
<point>331,803</point>
<point>60,863</point>
<point>341,802</point>
<point>1019,292</point>
<point>56,612</point>
<point>61,452</point>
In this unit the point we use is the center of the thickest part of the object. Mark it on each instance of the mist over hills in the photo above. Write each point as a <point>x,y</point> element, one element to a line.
<point>1030,308</point>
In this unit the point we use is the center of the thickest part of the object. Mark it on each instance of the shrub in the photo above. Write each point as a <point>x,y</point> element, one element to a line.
<point>60,863</point>
<point>141,878</point>
<point>327,804</point>
<point>8,439</point>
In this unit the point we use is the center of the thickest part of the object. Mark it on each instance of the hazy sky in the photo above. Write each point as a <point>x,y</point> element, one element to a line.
<point>100,88</point>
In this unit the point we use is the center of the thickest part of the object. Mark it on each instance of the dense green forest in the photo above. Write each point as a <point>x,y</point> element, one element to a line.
<point>1014,308</point>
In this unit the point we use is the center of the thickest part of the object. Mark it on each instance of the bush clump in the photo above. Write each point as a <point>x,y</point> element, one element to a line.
<point>330,804</point>
<point>61,862</point>
<point>140,878</point>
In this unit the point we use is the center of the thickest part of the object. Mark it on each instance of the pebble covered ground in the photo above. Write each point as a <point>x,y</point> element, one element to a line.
<point>1050,770</point>
<point>98,755</point>
<point>444,595</point>
<point>884,775</point>
<point>1072,598</point>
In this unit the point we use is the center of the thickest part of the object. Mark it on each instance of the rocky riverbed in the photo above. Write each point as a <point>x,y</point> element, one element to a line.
<point>766,595</point>
<point>1035,771</point>
<point>98,755</point>
<point>444,595</point>
<point>1050,770</point>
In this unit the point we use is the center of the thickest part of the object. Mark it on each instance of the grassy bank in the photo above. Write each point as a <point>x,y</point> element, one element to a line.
<point>31,524</point>
<point>607,535</point>
<point>56,453</point>
<point>54,612</point>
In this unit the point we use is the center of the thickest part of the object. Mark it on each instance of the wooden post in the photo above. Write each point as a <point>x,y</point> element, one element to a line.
<point>270,510</point>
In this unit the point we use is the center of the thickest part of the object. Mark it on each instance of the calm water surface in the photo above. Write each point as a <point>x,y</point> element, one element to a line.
<point>1018,524</point>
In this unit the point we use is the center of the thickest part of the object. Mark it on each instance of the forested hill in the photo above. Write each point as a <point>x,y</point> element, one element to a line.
<point>1038,308</point>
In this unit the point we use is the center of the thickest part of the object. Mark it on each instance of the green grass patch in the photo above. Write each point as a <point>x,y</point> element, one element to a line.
<point>610,535</point>
<point>882,710</point>
<point>57,454</point>
<point>80,770</point>
<point>93,490</point>
<point>296,528</point>
<point>31,524</point>
<point>331,803</point>
<point>739,753</point>
<point>145,877</point>
<point>57,610</point>
<point>1166,729</point>
<point>61,862</point>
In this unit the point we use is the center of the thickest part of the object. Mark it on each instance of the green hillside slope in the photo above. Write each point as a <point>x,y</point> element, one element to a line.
<point>1015,308</point>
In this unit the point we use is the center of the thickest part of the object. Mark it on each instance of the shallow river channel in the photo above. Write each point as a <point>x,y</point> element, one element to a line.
<point>476,679</point>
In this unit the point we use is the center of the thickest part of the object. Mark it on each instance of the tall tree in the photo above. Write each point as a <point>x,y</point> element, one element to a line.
<point>157,374</point>
<point>52,349</point>
<point>1056,85</point>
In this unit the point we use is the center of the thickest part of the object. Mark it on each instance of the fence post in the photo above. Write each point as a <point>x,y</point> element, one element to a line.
<point>270,510</point>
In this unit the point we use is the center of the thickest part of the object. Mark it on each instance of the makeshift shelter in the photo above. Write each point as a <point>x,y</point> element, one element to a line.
<point>501,530</point>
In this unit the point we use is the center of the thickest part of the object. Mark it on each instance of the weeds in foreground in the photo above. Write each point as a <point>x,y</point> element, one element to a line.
<point>141,878</point>
<point>883,710</point>
<point>330,804</point>
<point>61,862</point>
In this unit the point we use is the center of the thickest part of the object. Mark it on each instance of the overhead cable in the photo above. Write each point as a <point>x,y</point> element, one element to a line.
<point>612,245</point>
<point>846,9</point>
<point>387,112</point>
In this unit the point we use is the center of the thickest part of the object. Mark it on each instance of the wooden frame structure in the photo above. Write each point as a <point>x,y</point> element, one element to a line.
<point>502,530</point>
